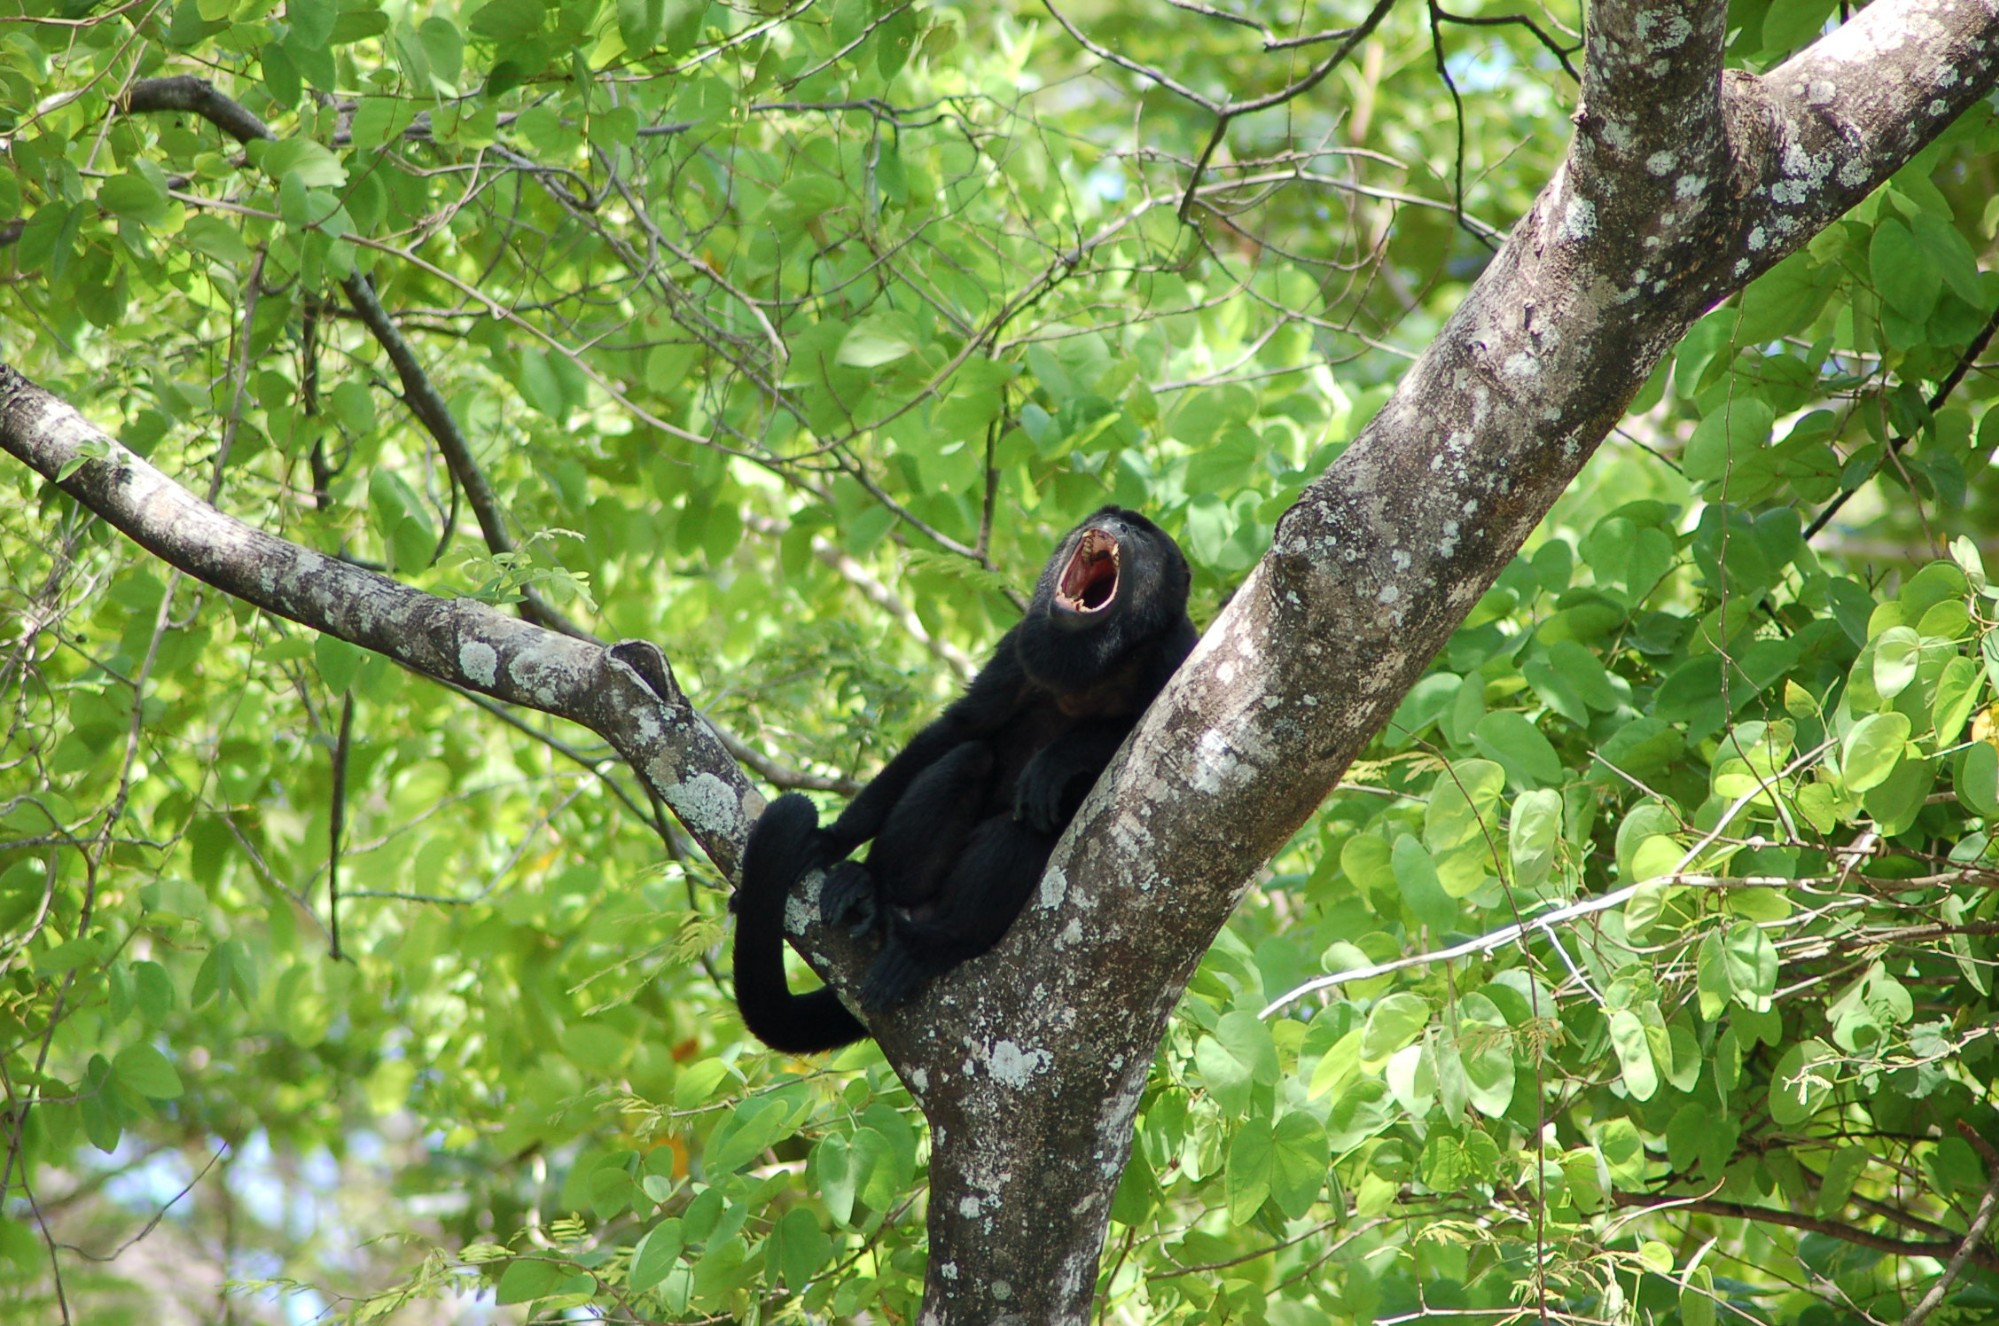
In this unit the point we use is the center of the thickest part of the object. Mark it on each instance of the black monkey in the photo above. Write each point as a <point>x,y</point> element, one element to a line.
<point>964,818</point>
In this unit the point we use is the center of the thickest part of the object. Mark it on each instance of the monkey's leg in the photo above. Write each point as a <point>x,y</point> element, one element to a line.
<point>922,837</point>
<point>977,902</point>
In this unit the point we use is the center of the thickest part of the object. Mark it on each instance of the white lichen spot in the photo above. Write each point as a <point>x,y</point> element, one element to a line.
<point>1689,186</point>
<point>1820,91</point>
<point>1388,594</point>
<point>1470,507</point>
<point>1853,172</point>
<point>1578,219</point>
<point>1521,365</point>
<point>704,803</point>
<point>968,1207</point>
<point>477,661</point>
<point>949,1270</point>
<point>1072,933</point>
<point>1225,672</point>
<point>1216,763</point>
<point>919,1079</point>
<point>1673,29</point>
<point>1741,266</point>
<point>1054,889</point>
<point>1014,1067</point>
<point>1662,163</point>
<point>1638,277</point>
<point>1002,1290</point>
<point>1399,558</point>
<point>1617,134</point>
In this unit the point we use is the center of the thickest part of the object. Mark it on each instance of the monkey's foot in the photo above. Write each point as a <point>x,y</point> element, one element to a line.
<point>847,897</point>
<point>894,979</point>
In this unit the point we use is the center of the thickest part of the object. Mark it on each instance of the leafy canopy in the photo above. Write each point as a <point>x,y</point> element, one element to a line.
<point>787,336</point>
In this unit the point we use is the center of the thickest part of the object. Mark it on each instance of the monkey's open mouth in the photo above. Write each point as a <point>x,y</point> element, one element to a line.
<point>1089,582</point>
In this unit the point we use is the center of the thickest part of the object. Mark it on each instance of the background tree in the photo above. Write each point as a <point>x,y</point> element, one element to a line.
<point>1645,967</point>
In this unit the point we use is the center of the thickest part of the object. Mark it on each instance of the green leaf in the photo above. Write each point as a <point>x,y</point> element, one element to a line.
<point>1727,437</point>
<point>1519,747</point>
<point>870,345</point>
<point>1752,965</point>
<point>1486,1049</point>
<point>1531,835</point>
<point>1299,1156</point>
<point>1896,651</point>
<point>137,195</point>
<point>1451,1163</point>
<point>1395,1020</point>
<point>1786,27</point>
<point>1872,749</point>
<point>1802,1082</point>
<point>1959,687</point>
<point>311,22</point>
<point>144,1071</point>
<point>1905,274</point>
<point>1252,1159</point>
<point>1634,1054</point>
<point>216,238</point>
<point>1421,891</point>
<point>833,1167</point>
<point>527,1279</point>
<point>1464,805</point>
<point>640,23</point>
<point>509,21</point>
<point>798,1248</point>
<point>657,1253</point>
<point>302,160</point>
<point>1978,780</point>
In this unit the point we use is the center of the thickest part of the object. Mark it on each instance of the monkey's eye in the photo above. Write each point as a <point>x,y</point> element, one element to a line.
<point>1089,582</point>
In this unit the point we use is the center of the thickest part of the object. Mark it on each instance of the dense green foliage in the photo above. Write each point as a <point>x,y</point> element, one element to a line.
<point>787,336</point>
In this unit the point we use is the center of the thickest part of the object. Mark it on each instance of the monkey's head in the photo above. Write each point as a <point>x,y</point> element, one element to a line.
<point>1116,583</point>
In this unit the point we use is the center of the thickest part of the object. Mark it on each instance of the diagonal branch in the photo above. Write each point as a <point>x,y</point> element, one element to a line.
<point>627,693</point>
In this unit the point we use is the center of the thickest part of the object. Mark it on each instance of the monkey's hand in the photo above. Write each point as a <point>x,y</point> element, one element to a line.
<point>847,897</point>
<point>1041,795</point>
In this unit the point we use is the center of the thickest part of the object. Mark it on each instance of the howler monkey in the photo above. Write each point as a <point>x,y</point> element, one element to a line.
<point>964,818</point>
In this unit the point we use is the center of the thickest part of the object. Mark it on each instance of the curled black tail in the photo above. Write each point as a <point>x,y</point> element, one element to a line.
<point>781,849</point>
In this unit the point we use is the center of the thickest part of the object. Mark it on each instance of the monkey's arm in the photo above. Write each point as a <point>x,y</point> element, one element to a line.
<point>1051,788</point>
<point>984,707</point>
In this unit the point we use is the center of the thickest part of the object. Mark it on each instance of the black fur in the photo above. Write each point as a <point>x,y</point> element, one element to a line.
<point>964,818</point>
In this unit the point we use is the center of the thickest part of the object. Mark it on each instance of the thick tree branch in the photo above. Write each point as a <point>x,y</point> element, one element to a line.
<point>627,694</point>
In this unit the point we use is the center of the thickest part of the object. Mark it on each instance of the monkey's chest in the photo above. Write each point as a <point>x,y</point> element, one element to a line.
<point>1042,719</point>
